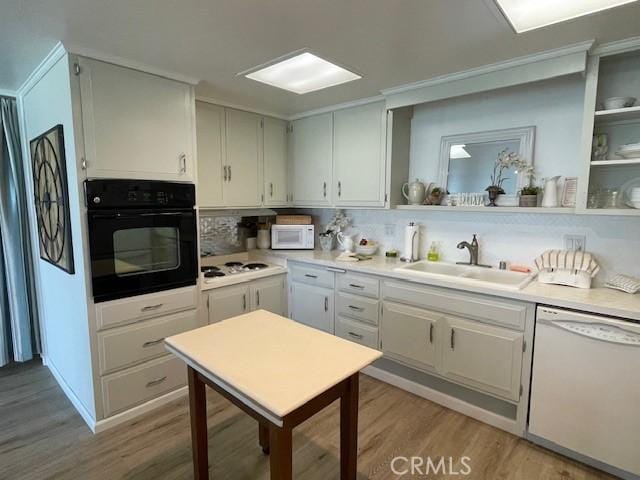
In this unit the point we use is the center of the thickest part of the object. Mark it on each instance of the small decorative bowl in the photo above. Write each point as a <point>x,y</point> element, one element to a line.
<point>368,249</point>
<point>618,102</point>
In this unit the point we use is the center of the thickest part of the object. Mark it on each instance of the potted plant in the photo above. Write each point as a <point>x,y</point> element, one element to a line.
<point>529,196</point>
<point>505,161</point>
<point>327,238</point>
<point>434,197</point>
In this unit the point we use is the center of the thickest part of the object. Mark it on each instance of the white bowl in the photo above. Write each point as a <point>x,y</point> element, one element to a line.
<point>504,200</point>
<point>634,203</point>
<point>368,249</point>
<point>618,102</point>
<point>629,153</point>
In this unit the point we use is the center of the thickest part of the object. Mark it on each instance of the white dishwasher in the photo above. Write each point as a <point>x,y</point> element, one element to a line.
<point>585,391</point>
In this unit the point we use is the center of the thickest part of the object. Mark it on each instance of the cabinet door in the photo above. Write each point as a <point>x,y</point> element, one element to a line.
<point>243,187</point>
<point>227,302</point>
<point>312,306</point>
<point>268,294</point>
<point>210,134</point>
<point>482,356</point>
<point>136,125</point>
<point>311,146</point>
<point>359,153</point>
<point>276,187</point>
<point>410,334</point>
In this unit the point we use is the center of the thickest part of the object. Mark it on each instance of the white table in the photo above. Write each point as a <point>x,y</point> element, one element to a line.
<point>279,372</point>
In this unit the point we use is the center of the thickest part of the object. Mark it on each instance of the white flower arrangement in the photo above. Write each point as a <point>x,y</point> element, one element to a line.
<point>339,222</point>
<point>505,161</point>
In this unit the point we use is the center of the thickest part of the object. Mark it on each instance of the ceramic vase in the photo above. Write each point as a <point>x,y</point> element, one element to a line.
<point>493,191</point>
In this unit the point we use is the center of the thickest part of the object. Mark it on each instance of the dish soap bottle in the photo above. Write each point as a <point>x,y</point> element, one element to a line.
<point>433,255</point>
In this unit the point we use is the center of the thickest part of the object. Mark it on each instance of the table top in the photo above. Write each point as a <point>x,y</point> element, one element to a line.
<point>270,363</point>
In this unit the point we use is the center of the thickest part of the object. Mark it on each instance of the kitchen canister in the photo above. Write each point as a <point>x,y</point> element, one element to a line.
<point>264,239</point>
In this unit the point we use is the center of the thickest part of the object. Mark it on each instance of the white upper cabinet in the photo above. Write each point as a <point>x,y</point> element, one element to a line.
<point>359,153</point>
<point>242,177</point>
<point>136,125</point>
<point>210,133</point>
<point>311,151</point>
<point>276,184</point>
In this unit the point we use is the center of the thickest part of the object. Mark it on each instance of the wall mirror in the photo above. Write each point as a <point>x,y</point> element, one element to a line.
<point>467,160</point>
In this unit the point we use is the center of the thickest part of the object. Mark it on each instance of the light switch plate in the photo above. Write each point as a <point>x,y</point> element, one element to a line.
<point>575,242</point>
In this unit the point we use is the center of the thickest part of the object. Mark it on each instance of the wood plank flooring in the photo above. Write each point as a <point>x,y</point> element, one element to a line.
<point>42,437</point>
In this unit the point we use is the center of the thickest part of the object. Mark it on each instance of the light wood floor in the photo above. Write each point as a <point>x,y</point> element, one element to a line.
<point>42,437</point>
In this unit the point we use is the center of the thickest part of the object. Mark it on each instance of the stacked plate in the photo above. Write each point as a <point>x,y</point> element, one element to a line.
<point>630,150</point>
<point>631,193</point>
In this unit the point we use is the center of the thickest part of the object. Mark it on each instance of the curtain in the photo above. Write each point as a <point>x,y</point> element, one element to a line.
<point>19,332</point>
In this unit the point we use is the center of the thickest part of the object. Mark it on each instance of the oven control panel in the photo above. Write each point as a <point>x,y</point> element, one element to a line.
<point>103,194</point>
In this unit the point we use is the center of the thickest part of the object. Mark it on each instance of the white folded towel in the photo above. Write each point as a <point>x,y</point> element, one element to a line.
<point>568,260</point>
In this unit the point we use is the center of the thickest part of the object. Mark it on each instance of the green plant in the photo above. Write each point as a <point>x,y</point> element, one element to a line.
<point>530,190</point>
<point>436,192</point>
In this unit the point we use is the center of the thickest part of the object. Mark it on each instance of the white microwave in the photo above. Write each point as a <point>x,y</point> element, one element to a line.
<point>292,237</point>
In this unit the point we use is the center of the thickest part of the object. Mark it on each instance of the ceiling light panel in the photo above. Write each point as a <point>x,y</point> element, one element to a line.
<point>525,15</point>
<point>302,73</point>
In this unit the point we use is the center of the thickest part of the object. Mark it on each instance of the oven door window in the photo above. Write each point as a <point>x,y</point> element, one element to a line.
<point>289,237</point>
<point>146,250</point>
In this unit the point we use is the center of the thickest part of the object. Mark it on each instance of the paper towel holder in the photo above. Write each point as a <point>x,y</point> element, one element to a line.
<point>412,257</point>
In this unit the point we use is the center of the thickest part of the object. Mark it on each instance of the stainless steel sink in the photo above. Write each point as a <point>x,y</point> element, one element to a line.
<point>467,274</point>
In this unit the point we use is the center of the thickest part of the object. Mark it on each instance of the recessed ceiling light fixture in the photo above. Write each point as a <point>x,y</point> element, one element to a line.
<point>525,15</point>
<point>300,72</point>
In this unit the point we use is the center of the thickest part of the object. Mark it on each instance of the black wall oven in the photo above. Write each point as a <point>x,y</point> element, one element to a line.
<point>142,237</point>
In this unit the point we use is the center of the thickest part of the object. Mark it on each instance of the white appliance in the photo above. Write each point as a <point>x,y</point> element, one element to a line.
<point>292,237</point>
<point>585,389</point>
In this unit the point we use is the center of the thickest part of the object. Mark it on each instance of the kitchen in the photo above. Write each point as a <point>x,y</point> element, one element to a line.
<point>465,235</point>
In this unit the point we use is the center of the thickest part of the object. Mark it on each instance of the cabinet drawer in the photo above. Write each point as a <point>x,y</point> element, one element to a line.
<point>359,284</point>
<point>120,347</point>
<point>129,310</point>
<point>362,308</point>
<point>504,312</point>
<point>312,275</point>
<point>127,388</point>
<point>357,332</point>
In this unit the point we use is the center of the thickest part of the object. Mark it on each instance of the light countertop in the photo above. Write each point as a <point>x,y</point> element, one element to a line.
<point>602,301</point>
<point>272,364</point>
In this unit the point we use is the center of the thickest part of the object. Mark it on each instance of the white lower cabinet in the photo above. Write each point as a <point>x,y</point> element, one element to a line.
<point>483,356</point>
<point>312,306</point>
<point>356,331</point>
<point>227,302</point>
<point>268,294</point>
<point>410,335</point>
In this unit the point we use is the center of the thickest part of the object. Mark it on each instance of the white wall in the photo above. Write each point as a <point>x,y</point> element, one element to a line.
<point>63,297</point>
<point>554,107</point>
<point>516,238</point>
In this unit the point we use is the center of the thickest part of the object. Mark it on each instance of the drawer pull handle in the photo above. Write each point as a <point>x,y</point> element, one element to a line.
<point>354,285</point>
<point>453,339</point>
<point>155,382</point>
<point>308,275</point>
<point>356,335</point>
<point>148,308</point>
<point>357,309</point>
<point>151,343</point>
<point>431,333</point>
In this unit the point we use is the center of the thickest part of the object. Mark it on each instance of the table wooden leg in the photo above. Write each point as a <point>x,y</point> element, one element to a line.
<point>281,448</point>
<point>263,437</point>
<point>349,430</point>
<point>198,413</point>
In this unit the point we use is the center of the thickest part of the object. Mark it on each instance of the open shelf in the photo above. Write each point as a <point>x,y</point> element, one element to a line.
<point>616,114</point>
<point>443,208</point>
<point>616,161</point>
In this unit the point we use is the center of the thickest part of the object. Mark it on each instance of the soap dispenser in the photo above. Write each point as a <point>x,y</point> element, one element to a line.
<point>434,253</point>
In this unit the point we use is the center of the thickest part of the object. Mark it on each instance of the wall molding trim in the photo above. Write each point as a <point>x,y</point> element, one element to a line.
<point>7,93</point>
<point>515,71</point>
<point>125,62</point>
<point>338,106</point>
<point>238,106</point>
<point>621,46</point>
<point>56,53</point>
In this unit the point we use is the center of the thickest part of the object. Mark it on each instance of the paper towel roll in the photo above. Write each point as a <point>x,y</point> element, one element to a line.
<point>411,241</point>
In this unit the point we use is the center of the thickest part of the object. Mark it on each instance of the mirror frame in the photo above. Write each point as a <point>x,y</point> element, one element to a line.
<point>526,135</point>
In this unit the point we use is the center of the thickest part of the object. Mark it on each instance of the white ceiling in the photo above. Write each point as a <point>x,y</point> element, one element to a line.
<point>390,42</point>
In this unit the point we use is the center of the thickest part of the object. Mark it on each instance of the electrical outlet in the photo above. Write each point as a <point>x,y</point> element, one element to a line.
<point>575,242</point>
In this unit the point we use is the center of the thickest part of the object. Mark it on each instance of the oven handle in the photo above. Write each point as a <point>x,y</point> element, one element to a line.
<point>136,215</point>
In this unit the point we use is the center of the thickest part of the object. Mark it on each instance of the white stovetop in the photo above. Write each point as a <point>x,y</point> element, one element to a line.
<point>236,278</point>
<point>602,301</point>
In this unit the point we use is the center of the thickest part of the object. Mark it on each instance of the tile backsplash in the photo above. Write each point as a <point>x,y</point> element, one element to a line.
<point>219,235</point>
<point>516,238</point>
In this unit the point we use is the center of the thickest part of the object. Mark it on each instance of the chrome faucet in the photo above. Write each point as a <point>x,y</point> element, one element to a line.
<point>473,248</point>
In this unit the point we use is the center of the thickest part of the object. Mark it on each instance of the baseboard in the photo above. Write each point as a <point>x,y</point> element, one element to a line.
<point>445,400</point>
<point>110,422</point>
<point>79,406</point>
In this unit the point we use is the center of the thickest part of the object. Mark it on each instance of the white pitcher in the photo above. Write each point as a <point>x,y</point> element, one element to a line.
<point>347,242</point>
<point>550,195</point>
